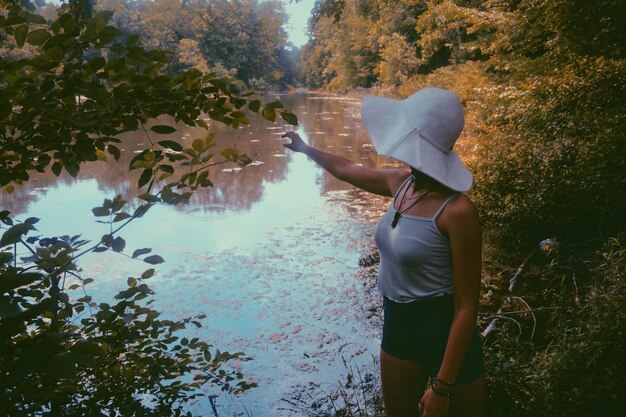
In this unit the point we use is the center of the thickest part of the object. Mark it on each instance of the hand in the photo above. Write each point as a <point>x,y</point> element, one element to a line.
<point>297,144</point>
<point>435,405</point>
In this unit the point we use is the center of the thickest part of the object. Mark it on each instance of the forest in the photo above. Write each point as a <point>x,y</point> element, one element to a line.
<point>245,39</point>
<point>543,83</point>
<point>544,86</point>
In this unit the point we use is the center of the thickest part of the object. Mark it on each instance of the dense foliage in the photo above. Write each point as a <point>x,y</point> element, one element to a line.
<point>557,351</point>
<point>560,347</point>
<point>81,83</point>
<point>245,39</point>
<point>242,38</point>
<point>544,85</point>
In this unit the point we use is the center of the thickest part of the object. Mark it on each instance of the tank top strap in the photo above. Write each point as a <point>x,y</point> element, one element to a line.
<point>443,205</point>
<point>401,187</point>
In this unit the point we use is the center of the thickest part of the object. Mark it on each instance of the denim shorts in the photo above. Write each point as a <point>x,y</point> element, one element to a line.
<point>418,331</point>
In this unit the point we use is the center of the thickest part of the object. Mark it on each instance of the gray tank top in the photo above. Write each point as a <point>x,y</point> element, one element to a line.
<point>415,261</point>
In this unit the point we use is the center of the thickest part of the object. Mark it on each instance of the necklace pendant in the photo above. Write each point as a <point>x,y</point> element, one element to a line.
<point>396,218</point>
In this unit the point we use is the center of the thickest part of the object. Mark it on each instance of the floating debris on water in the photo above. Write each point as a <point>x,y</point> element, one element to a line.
<point>336,98</point>
<point>282,285</point>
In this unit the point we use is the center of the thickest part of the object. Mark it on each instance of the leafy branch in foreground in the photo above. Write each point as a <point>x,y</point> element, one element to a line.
<point>63,105</point>
<point>86,84</point>
<point>66,356</point>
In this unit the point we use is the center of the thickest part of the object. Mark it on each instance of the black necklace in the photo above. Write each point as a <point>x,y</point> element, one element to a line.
<point>399,212</point>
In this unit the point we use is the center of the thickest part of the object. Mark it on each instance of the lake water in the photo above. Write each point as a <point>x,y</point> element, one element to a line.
<point>269,254</point>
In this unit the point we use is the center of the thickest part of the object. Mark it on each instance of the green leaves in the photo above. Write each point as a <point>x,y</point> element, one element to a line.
<point>163,129</point>
<point>121,216</point>
<point>118,244</point>
<point>235,155</point>
<point>107,34</point>
<point>114,151</point>
<point>153,259</point>
<point>198,145</point>
<point>145,177</point>
<point>96,63</point>
<point>67,22</point>
<point>272,109</point>
<point>20,34</point>
<point>13,280</point>
<point>15,233</point>
<point>254,105</point>
<point>39,37</point>
<point>269,113</point>
<point>110,207</point>
<point>289,117</point>
<point>80,86</point>
<point>36,19</point>
<point>139,252</point>
<point>100,211</point>
<point>170,144</point>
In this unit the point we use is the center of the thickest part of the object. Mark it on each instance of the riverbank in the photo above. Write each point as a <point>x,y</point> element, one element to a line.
<point>549,320</point>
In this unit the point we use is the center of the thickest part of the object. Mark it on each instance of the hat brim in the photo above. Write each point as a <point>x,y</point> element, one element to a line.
<point>393,136</point>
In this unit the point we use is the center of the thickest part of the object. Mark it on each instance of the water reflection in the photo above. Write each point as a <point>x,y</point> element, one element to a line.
<point>327,123</point>
<point>269,253</point>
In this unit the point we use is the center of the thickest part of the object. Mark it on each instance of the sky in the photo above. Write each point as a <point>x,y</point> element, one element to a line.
<point>299,14</point>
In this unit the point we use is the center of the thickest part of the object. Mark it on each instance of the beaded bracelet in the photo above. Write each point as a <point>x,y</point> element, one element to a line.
<point>446,394</point>
<point>442,387</point>
<point>441,381</point>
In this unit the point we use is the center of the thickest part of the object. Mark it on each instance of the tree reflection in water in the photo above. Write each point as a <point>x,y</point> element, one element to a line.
<point>328,123</point>
<point>268,254</point>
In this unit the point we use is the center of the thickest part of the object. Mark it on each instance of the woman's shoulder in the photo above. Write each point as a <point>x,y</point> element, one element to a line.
<point>458,214</point>
<point>396,177</point>
<point>459,204</point>
<point>459,217</point>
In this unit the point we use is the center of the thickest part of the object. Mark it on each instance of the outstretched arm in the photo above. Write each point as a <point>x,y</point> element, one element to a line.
<point>378,181</point>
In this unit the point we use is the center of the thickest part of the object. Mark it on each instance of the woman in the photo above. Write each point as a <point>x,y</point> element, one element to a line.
<point>430,246</point>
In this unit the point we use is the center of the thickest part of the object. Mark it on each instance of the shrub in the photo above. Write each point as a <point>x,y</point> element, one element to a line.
<point>574,365</point>
<point>550,159</point>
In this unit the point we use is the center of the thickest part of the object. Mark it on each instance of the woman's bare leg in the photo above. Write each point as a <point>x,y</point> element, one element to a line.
<point>403,384</point>
<point>469,399</point>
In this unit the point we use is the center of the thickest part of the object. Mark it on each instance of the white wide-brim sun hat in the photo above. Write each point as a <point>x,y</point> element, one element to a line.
<point>420,131</point>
